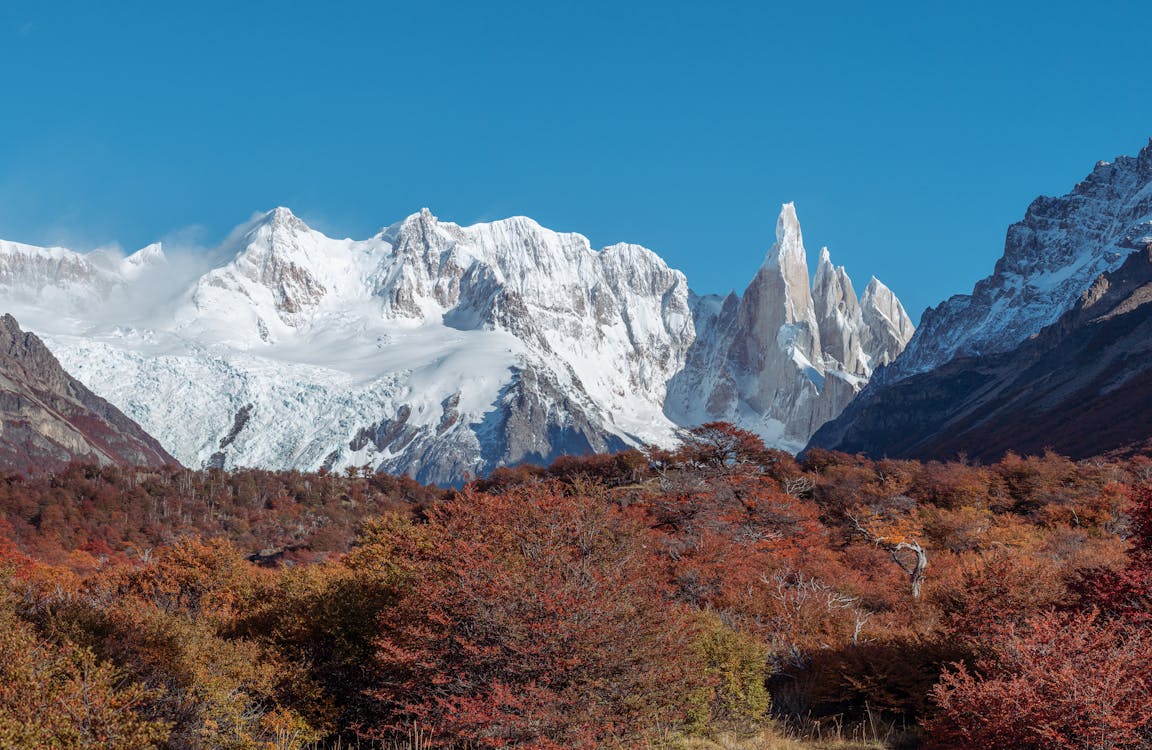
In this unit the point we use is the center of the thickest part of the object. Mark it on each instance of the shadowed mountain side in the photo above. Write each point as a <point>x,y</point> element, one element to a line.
<point>48,418</point>
<point>1082,387</point>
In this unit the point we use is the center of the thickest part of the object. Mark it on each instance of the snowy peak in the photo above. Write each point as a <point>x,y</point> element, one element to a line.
<point>283,278</point>
<point>789,246</point>
<point>142,260</point>
<point>274,274</point>
<point>887,326</point>
<point>785,357</point>
<point>1050,257</point>
<point>283,219</point>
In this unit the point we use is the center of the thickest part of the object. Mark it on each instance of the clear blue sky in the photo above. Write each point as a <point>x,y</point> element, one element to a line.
<point>910,134</point>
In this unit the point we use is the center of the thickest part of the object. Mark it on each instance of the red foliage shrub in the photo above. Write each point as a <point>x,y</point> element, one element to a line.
<point>533,619</point>
<point>1056,683</point>
<point>1128,592</point>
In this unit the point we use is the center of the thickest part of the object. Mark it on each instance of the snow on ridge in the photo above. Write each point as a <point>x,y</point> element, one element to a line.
<point>1052,255</point>
<point>431,348</point>
<point>344,352</point>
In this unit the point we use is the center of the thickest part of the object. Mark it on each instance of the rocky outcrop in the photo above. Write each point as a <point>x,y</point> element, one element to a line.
<point>48,418</point>
<point>1082,387</point>
<point>1049,258</point>
<point>445,351</point>
<point>787,356</point>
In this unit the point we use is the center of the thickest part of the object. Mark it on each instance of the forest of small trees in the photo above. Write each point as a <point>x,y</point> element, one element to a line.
<point>718,595</point>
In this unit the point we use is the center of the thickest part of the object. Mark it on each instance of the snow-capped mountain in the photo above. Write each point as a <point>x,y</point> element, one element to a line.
<point>787,356</point>
<point>1050,257</point>
<point>1080,387</point>
<point>441,350</point>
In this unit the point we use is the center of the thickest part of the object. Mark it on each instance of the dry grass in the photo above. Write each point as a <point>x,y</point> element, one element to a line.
<point>770,741</point>
<point>830,733</point>
<point>833,737</point>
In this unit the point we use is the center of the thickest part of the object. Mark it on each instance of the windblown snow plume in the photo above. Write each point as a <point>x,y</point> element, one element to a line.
<point>439,350</point>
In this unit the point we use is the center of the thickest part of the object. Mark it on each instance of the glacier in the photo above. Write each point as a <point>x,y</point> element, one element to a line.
<point>444,351</point>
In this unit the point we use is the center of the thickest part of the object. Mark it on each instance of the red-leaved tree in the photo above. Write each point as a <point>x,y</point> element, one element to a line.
<point>533,619</point>
<point>1059,682</point>
<point>1128,592</point>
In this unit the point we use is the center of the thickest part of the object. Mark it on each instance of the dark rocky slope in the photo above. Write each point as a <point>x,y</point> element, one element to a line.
<point>48,418</point>
<point>1082,386</point>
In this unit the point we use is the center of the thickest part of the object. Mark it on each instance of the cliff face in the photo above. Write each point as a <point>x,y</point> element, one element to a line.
<point>788,355</point>
<point>445,351</point>
<point>48,418</point>
<point>1082,387</point>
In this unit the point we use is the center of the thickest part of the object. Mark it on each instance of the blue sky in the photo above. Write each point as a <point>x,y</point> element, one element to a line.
<point>909,134</point>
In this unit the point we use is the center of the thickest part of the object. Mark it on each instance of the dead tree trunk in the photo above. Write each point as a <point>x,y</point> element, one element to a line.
<point>909,554</point>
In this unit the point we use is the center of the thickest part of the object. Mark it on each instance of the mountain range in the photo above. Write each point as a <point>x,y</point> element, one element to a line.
<point>444,351</point>
<point>1050,351</point>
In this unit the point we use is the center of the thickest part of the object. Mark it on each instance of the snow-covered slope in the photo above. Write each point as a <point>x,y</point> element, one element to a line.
<point>787,356</point>
<point>440,350</point>
<point>430,348</point>
<point>1050,257</point>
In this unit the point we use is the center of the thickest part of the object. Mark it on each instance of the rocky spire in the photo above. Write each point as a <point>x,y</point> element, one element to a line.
<point>887,326</point>
<point>776,329</point>
<point>838,316</point>
<point>787,357</point>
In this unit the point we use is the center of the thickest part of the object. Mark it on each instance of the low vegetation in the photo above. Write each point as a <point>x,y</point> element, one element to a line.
<point>718,596</point>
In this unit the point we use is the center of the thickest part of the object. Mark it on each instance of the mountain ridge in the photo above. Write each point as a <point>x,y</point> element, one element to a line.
<point>48,418</point>
<point>1055,252</point>
<point>968,369</point>
<point>429,348</point>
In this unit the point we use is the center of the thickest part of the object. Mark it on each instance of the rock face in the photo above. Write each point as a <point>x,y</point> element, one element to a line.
<point>976,360</point>
<point>1082,387</point>
<point>444,351</point>
<point>48,418</point>
<point>430,349</point>
<point>1049,258</point>
<point>787,356</point>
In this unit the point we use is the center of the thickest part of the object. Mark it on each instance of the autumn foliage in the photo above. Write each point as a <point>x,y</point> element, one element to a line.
<point>629,600</point>
<point>1056,682</point>
<point>549,632</point>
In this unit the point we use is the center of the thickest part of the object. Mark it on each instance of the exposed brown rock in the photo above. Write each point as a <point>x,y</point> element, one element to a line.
<point>1082,387</point>
<point>48,418</point>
